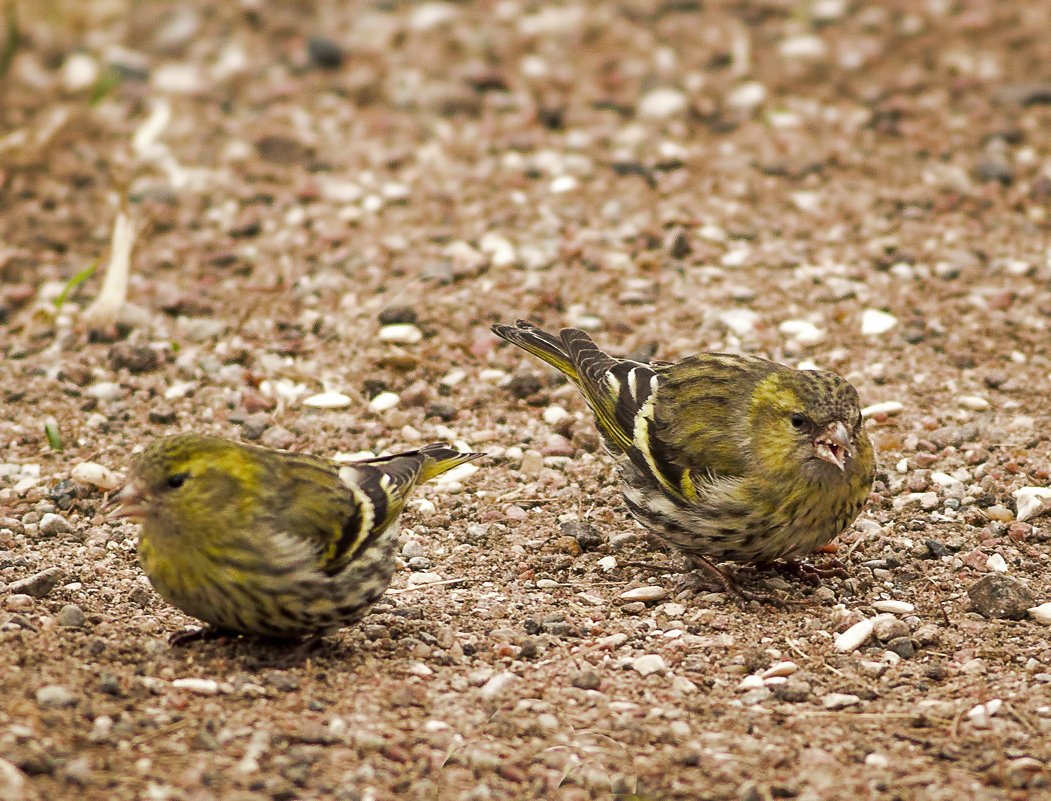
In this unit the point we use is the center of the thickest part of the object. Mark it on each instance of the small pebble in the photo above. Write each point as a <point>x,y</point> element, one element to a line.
<point>1000,596</point>
<point>498,683</point>
<point>39,584</point>
<point>607,564</point>
<point>854,637</point>
<point>96,475</point>
<point>53,525</point>
<point>1032,501</point>
<point>401,333</point>
<point>197,686</point>
<point>55,696</point>
<point>661,103</point>
<point>384,401</point>
<point>996,563</point>
<point>649,663</point>
<point>884,409</point>
<point>803,332</point>
<point>553,415</point>
<point>839,700</point>
<point>648,593</point>
<point>875,322</point>
<point>999,512</point>
<point>17,601</point>
<point>750,683</point>
<point>973,402</point>
<point>532,462</point>
<point>71,616</point>
<point>887,627</point>
<point>332,400</point>
<point>1041,614</point>
<point>780,669</point>
<point>896,607</point>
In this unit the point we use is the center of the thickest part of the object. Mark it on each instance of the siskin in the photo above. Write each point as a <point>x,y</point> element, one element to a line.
<point>257,541</point>
<point>729,458</point>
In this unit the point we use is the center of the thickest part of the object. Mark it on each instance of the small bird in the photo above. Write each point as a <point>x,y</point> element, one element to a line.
<point>264,542</point>
<point>726,457</point>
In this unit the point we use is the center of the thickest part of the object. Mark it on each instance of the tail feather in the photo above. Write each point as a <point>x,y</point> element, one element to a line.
<point>541,344</point>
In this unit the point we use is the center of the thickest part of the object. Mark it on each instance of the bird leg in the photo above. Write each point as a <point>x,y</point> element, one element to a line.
<point>728,583</point>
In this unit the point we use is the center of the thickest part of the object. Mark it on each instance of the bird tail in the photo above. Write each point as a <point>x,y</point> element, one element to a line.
<point>541,344</point>
<point>409,468</point>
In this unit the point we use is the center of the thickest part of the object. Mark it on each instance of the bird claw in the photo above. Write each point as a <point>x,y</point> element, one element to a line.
<point>812,574</point>
<point>728,583</point>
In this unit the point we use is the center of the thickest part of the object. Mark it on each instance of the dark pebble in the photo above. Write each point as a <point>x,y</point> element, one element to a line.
<point>902,646</point>
<point>254,426</point>
<point>63,493</point>
<point>133,358</point>
<point>325,53</point>
<point>587,536</point>
<point>530,649</point>
<point>524,384</point>
<point>995,170</point>
<point>110,685</point>
<point>163,417</point>
<point>1000,596</point>
<point>281,680</point>
<point>37,585</point>
<point>141,596</point>
<point>530,626</point>
<point>586,680</point>
<point>397,315</point>
<point>937,548</point>
<point>443,411</point>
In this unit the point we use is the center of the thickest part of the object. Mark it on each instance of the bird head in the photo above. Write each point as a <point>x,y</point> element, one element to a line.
<point>183,481</point>
<point>807,420</point>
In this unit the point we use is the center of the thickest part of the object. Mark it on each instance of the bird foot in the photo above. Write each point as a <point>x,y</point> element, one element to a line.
<point>726,582</point>
<point>812,574</point>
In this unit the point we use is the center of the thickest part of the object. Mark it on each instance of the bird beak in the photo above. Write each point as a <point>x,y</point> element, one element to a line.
<point>130,503</point>
<point>834,445</point>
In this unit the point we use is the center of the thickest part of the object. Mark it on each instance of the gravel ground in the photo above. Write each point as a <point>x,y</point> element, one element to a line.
<point>341,198</point>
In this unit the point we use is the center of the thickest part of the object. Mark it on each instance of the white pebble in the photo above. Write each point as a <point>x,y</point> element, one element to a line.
<point>886,408</point>
<point>944,479</point>
<point>740,321</point>
<point>780,669</point>
<point>199,686</point>
<point>979,715</point>
<point>896,607</point>
<point>384,401</point>
<point>563,183</point>
<point>802,332</point>
<point>810,202</point>
<point>747,95</point>
<point>854,637</point>
<point>661,103</point>
<point>492,376</point>
<point>546,584</point>
<point>649,663</point>
<point>973,402</point>
<point>648,593</point>
<point>105,390</point>
<point>401,333</point>
<point>79,71</point>
<point>607,563</point>
<point>996,563</point>
<point>96,475</point>
<point>805,47</point>
<point>453,377</point>
<point>1031,501</point>
<point>498,683</point>
<point>423,506</point>
<point>553,415</point>
<point>839,700</point>
<point>750,683</point>
<point>417,579</point>
<point>612,641</point>
<point>1041,614</point>
<point>328,400</point>
<point>875,322</point>
<point>420,669</point>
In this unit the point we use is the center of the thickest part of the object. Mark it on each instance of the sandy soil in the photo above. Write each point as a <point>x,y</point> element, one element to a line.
<point>860,186</point>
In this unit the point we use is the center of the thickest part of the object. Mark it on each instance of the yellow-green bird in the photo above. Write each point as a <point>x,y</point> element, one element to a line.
<point>264,542</point>
<point>727,457</point>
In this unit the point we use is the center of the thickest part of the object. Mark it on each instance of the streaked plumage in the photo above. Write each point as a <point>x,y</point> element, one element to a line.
<point>727,457</point>
<point>257,541</point>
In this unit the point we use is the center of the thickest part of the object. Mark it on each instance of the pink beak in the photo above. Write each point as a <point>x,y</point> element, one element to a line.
<point>834,445</point>
<point>129,500</point>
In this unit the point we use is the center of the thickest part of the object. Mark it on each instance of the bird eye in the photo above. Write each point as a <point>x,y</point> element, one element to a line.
<point>799,420</point>
<point>176,480</point>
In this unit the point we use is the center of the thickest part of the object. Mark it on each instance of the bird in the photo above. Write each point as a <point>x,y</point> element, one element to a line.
<point>726,457</point>
<point>262,542</point>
